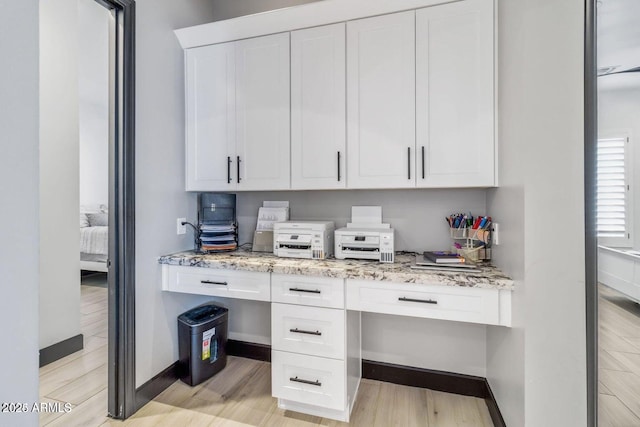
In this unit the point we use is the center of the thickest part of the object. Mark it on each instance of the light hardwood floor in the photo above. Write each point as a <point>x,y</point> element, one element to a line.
<point>240,395</point>
<point>619,360</point>
<point>81,378</point>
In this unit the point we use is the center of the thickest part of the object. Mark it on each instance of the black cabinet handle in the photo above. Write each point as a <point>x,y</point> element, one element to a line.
<point>301,331</point>
<point>298,380</point>
<point>228,170</point>
<point>425,301</point>
<point>338,166</point>
<point>423,162</point>
<point>316,291</point>
<point>408,162</point>
<point>238,169</point>
<point>212,282</point>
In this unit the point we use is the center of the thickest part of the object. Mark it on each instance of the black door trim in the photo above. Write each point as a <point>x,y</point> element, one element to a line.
<point>591,241</point>
<point>121,340</point>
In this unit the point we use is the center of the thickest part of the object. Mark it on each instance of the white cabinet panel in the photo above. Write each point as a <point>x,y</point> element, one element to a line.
<point>455,95</point>
<point>262,113</point>
<point>433,302</point>
<point>316,381</point>
<point>318,101</point>
<point>307,290</point>
<point>315,331</point>
<point>381,101</point>
<point>223,283</point>
<point>210,125</point>
<point>619,271</point>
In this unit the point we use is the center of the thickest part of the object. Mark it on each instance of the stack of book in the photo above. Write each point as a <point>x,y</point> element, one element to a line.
<point>444,257</point>
<point>443,261</point>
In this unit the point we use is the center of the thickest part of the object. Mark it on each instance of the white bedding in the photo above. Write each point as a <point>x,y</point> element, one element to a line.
<point>94,240</point>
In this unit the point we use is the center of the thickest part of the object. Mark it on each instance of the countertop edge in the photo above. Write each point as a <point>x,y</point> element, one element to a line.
<point>270,264</point>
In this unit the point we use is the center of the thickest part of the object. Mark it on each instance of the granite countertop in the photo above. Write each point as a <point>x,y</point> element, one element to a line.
<point>489,276</point>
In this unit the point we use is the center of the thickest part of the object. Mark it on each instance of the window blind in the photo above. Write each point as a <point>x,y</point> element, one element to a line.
<point>612,189</point>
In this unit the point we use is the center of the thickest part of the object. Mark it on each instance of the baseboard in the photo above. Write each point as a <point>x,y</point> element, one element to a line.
<point>494,411</point>
<point>59,350</point>
<point>249,350</point>
<point>449,382</point>
<point>156,385</point>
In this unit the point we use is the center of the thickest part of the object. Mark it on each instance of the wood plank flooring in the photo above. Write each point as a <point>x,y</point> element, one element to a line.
<point>619,360</point>
<point>240,395</point>
<point>81,377</point>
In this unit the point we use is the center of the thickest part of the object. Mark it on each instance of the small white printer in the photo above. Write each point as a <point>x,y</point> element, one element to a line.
<point>303,239</point>
<point>366,237</point>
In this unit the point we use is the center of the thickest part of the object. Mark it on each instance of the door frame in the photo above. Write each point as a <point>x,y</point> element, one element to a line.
<point>591,239</point>
<point>121,387</point>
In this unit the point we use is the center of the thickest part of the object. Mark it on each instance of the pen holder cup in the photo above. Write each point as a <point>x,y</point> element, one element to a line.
<point>472,254</point>
<point>480,235</point>
<point>459,233</point>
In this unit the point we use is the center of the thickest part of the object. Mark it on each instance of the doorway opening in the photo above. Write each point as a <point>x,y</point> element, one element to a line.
<point>108,388</point>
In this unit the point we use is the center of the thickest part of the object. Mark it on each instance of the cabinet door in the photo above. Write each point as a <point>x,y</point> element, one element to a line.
<point>262,113</point>
<point>381,101</point>
<point>318,108</point>
<point>455,95</point>
<point>210,126</point>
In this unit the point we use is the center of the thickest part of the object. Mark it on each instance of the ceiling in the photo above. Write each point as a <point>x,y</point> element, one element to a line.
<point>618,40</point>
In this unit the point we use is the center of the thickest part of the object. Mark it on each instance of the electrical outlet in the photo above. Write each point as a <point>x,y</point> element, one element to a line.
<point>496,235</point>
<point>181,229</point>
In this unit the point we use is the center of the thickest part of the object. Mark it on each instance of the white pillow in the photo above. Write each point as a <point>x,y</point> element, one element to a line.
<point>98,219</point>
<point>84,220</point>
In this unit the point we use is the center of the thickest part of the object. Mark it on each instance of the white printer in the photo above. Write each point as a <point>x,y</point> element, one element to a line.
<point>303,239</point>
<point>366,237</point>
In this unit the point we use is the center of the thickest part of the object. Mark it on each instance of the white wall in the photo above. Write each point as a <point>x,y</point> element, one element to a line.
<point>619,111</point>
<point>59,229</point>
<point>19,213</point>
<point>505,346</point>
<point>160,195</point>
<point>93,95</point>
<point>417,216</point>
<point>537,369</point>
<point>227,9</point>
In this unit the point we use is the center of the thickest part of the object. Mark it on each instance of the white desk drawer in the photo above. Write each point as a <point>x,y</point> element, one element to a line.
<point>222,283</point>
<point>307,290</point>
<point>307,379</point>
<point>434,302</point>
<point>308,330</point>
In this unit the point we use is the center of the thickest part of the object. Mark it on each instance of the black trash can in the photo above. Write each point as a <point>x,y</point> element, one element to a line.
<point>202,343</point>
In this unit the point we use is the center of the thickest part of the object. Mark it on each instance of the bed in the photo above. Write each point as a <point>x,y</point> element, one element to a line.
<point>94,238</point>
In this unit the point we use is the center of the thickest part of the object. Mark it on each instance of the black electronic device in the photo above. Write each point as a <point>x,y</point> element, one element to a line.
<point>217,225</point>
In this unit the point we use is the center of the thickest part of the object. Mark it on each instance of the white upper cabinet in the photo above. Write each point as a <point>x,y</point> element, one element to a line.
<point>455,95</point>
<point>237,108</point>
<point>262,113</point>
<point>381,101</point>
<point>378,100</point>
<point>210,118</point>
<point>318,134</point>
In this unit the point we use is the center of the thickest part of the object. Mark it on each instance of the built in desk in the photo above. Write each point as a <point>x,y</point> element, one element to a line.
<point>316,306</point>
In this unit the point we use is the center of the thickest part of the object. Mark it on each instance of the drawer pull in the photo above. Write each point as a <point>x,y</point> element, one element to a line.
<point>316,291</point>
<point>301,331</point>
<point>425,301</point>
<point>212,282</point>
<point>298,380</point>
